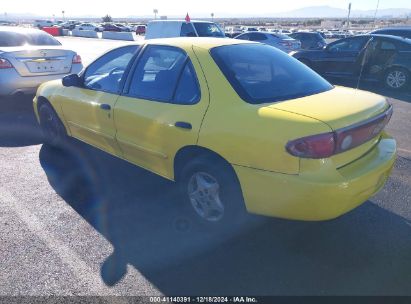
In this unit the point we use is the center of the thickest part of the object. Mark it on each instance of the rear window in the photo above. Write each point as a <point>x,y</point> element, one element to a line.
<point>20,39</point>
<point>260,73</point>
<point>208,30</point>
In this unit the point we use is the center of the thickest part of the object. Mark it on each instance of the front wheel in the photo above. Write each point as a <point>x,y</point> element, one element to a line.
<point>53,130</point>
<point>397,79</point>
<point>212,194</point>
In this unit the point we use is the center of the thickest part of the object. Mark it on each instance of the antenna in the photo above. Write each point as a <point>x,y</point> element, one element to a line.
<point>364,60</point>
<point>376,11</point>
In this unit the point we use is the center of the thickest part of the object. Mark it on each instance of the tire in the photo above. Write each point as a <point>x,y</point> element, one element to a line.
<point>54,132</point>
<point>221,209</point>
<point>397,79</point>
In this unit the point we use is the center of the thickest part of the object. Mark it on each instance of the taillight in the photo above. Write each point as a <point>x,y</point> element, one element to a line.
<point>316,146</point>
<point>328,144</point>
<point>5,64</point>
<point>76,59</point>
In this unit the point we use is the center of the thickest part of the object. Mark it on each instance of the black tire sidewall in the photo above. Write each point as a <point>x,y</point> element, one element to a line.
<point>44,111</point>
<point>407,82</point>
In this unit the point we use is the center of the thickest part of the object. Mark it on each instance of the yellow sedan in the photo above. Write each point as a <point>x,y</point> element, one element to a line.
<point>240,126</point>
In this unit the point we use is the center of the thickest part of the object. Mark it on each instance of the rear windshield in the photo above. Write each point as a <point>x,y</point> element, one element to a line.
<point>20,39</point>
<point>208,30</point>
<point>260,73</point>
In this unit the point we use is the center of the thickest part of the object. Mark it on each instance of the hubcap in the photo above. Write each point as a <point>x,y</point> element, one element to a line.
<point>204,193</point>
<point>396,79</point>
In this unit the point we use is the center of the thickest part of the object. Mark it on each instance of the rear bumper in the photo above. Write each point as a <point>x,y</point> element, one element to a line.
<point>12,83</point>
<point>314,196</point>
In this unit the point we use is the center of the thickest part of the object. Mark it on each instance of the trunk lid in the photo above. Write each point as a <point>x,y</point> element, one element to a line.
<point>39,60</point>
<point>340,108</point>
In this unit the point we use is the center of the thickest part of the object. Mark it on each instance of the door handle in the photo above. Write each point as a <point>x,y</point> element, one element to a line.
<point>183,125</point>
<point>105,106</point>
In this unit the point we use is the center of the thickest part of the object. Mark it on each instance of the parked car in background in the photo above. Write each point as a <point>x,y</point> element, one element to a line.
<point>43,23</point>
<point>29,57</point>
<point>275,138</point>
<point>395,31</point>
<point>110,27</point>
<point>309,40</point>
<point>89,27</point>
<point>123,27</point>
<point>233,31</point>
<point>280,41</point>
<point>387,59</point>
<point>182,28</point>
<point>141,29</point>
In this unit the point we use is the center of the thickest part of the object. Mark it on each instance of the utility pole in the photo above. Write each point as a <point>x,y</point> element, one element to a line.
<point>348,17</point>
<point>64,18</point>
<point>155,11</point>
<point>376,11</point>
<point>212,17</point>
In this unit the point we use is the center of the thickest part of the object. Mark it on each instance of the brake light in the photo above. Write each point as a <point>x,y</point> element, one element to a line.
<point>76,59</point>
<point>5,64</point>
<point>328,144</point>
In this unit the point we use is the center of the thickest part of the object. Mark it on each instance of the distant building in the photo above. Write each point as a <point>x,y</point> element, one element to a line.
<point>331,24</point>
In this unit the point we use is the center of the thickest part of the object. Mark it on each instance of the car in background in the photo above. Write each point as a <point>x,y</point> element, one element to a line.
<point>280,41</point>
<point>43,23</point>
<point>110,27</point>
<point>309,40</point>
<point>381,58</point>
<point>233,31</point>
<point>181,28</point>
<point>89,27</point>
<point>141,29</point>
<point>275,138</point>
<point>29,57</point>
<point>123,27</point>
<point>395,31</point>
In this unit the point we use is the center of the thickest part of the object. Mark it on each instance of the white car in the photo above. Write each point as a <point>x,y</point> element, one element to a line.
<point>89,27</point>
<point>43,23</point>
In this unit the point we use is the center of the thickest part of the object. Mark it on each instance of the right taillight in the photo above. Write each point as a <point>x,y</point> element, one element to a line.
<point>5,64</point>
<point>328,144</point>
<point>76,59</point>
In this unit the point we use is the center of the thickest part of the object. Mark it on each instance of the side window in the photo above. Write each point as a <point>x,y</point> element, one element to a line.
<point>187,30</point>
<point>157,74</point>
<point>257,37</point>
<point>387,46</point>
<point>187,91</point>
<point>348,45</point>
<point>105,73</point>
<point>244,37</point>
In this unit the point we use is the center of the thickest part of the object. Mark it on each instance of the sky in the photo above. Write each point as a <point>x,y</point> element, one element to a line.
<point>196,8</point>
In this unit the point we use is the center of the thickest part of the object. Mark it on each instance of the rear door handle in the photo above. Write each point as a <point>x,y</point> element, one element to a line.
<point>183,125</point>
<point>105,106</point>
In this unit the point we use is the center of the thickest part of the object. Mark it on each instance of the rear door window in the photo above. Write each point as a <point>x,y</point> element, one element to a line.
<point>187,30</point>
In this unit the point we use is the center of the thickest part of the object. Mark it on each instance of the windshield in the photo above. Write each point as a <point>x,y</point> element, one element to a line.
<point>208,29</point>
<point>20,39</point>
<point>260,73</point>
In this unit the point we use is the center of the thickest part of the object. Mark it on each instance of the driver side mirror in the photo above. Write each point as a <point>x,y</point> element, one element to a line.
<point>72,80</point>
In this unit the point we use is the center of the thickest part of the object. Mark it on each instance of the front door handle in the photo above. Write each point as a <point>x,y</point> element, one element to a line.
<point>183,125</point>
<point>105,106</point>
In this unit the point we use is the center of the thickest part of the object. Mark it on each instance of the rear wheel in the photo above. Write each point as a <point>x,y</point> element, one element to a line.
<point>212,194</point>
<point>397,79</point>
<point>53,130</point>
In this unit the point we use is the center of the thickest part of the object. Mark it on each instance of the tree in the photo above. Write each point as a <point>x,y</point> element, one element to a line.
<point>107,18</point>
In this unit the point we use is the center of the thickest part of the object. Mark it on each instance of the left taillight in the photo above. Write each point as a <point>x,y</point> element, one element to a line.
<point>328,144</point>
<point>5,64</point>
<point>76,59</point>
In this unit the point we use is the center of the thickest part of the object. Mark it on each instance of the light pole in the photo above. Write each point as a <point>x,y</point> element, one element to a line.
<point>155,11</point>
<point>64,18</point>
<point>212,17</point>
<point>376,11</point>
<point>348,17</point>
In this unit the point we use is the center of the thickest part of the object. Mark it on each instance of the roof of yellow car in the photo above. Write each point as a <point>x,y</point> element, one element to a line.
<point>203,42</point>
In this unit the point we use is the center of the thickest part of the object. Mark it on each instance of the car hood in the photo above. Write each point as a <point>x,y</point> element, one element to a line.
<point>338,108</point>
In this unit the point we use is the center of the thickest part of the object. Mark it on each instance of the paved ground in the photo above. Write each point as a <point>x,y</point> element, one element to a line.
<point>83,222</point>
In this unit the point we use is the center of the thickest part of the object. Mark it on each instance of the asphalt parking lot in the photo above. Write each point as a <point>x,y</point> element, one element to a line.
<point>81,222</point>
